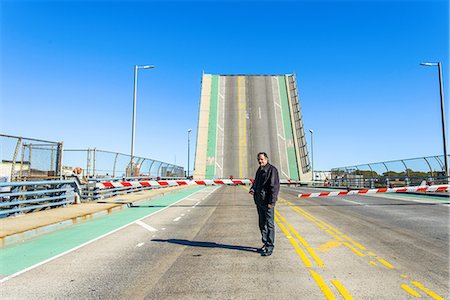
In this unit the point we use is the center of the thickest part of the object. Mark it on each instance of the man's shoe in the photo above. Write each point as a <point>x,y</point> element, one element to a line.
<point>267,253</point>
<point>262,249</point>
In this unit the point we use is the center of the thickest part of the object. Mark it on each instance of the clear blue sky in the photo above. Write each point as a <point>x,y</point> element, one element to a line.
<point>67,71</point>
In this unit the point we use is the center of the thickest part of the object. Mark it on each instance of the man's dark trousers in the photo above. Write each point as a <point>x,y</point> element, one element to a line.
<point>266,225</point>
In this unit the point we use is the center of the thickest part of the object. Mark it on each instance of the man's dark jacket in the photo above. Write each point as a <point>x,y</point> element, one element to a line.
<point>266,185</point>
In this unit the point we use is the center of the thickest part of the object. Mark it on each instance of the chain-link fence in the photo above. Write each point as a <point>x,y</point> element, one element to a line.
<point>404,172</point>
<point>94,163</point>
<point>28,159</point>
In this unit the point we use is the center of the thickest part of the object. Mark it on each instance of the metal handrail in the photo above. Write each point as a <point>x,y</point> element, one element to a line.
<point>48,193</point>
<point>40,182</point>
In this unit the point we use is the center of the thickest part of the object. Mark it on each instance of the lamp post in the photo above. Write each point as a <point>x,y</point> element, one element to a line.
<point>133,128</point>
<point>312,154</point>
<point>441,89</point>
<point>189,133</point>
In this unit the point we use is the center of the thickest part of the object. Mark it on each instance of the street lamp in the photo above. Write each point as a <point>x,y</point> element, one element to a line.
<point>133,128</point>
<point>189,133</point>
<point>438,64</point>
<point>312,155</point>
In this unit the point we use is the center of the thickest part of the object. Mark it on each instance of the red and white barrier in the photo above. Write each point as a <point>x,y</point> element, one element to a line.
<point>165,183</point>
<point>432,188</point>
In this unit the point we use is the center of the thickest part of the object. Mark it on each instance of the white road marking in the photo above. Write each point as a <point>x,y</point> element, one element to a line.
<point>354,202</point>
<point>177,219</point>
<point>397,196</point>
<point>140,245</point>
<point>182,215</point>
<point>164,228</point>
<point>259,111</point>
<point>278,123</point>
<point>146,226</point>
<point>189,210</point>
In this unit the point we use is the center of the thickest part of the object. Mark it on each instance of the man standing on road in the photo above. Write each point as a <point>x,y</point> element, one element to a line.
<point>265,190</point>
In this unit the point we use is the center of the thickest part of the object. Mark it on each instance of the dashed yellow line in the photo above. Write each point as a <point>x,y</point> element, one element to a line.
<point>331,231</point>
<point>427,291</point>
<point>410,291</point>
<point>359,253</point>
<point>342,290</point>
<point>338,235</point>
<point>322,285</point>
<point>311,252</point>
<point>297,247</point>
<point>382,261</point>
<point>385,263</point>
<point>354,243</point>
<point>288,230</point>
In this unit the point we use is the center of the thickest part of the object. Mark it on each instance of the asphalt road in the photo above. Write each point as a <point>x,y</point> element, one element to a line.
<point>360,247</point>
<point>253,122</point>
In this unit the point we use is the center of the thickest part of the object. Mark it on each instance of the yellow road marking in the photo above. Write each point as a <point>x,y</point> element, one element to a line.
<point>328,246</point>
<point>354,243</point>
<point>332,231</point>
<point>299,250</point>
<point>342,289</point>
<point>385,263</point>
<point>311,252</point>
<point>331,228</point>
<point>354,249</point>
<point>410,291</point>
<point>382,261</point>
<point>316,221</point>
<point>428,291</point>
<point>242,126</point>
<point>322,285</point>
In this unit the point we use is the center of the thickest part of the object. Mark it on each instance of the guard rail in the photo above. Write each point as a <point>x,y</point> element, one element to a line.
<point>27,196</point>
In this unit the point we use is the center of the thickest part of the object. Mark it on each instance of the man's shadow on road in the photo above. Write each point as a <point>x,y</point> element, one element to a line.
<point>207,245</point>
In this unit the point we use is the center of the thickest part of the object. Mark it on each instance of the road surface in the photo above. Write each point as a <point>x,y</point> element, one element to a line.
<point>202,244</point>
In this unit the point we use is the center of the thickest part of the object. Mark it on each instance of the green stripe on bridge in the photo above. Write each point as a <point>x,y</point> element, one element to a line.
<point>287,124</point>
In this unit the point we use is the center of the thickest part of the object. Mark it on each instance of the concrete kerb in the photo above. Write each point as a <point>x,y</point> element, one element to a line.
<point>18,229</point>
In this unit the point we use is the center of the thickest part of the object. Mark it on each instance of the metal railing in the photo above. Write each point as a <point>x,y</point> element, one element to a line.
<point>26,158</point>
<point>396,173</point>
<point>96,163</point>
<point>29,196</point>
<point>91,191</point>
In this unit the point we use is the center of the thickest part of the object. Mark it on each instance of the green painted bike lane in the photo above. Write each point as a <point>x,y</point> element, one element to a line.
<point>18,257</point>
<point>287,124</point>
<point>212,129</point>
